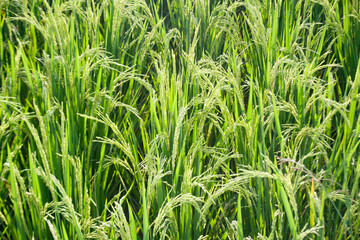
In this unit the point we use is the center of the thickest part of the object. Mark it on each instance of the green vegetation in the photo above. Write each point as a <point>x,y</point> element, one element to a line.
<point>159,119</point>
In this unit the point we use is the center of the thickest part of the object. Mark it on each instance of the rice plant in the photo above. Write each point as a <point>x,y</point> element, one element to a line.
<point>154,119</point>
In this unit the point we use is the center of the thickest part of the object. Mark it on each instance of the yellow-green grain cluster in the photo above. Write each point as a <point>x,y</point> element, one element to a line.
<point>182,119</point>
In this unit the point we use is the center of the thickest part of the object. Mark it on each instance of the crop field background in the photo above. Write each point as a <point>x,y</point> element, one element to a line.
<point>160,119</point>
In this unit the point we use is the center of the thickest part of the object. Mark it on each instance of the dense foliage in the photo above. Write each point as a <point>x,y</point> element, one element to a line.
<point>154,119</point>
